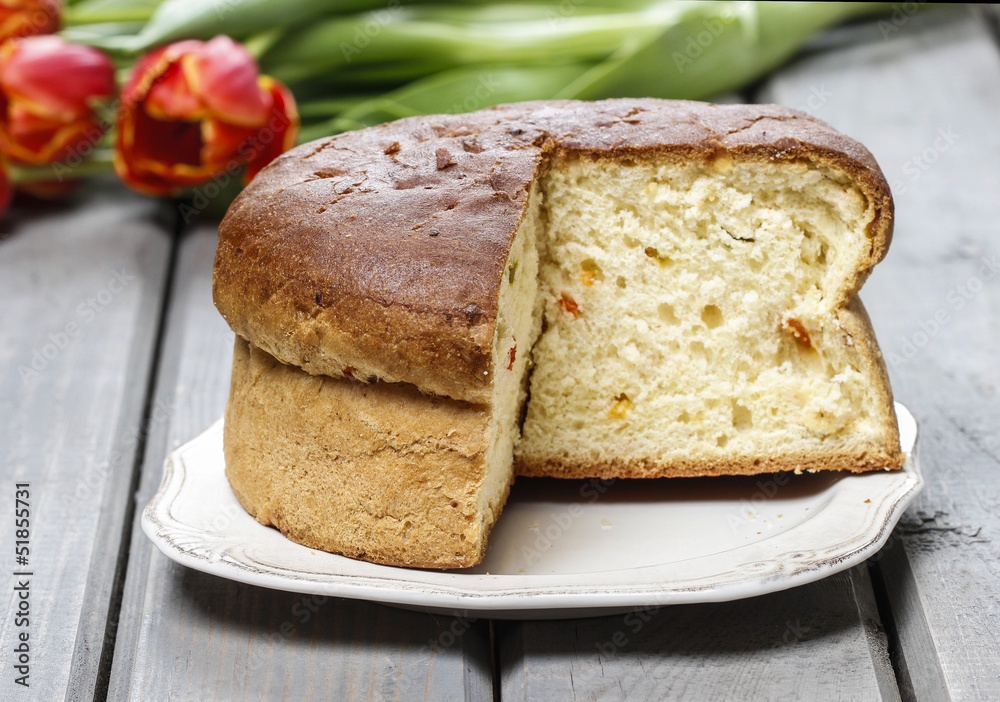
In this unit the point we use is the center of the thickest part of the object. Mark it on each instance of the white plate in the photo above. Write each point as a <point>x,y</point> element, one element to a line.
<point>564,548</point>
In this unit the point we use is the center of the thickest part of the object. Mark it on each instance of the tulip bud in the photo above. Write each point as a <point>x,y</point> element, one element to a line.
<point>193,110</point>
<point>25,18</point>
<point>48,91</point>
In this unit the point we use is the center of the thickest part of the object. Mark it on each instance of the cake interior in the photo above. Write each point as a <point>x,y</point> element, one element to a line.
<point>687,313</point>
<point>519,322</point>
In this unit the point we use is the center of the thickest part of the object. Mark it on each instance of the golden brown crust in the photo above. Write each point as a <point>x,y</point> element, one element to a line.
<point>693,468</point>
<point>379,253</point>
<point>858,326</point>
<point>379,472</point>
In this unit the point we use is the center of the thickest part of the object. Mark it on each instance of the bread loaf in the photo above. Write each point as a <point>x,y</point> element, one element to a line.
<point>627,288</point>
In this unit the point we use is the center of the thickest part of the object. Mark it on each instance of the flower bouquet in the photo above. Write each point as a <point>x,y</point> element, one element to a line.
<point>212,90</point>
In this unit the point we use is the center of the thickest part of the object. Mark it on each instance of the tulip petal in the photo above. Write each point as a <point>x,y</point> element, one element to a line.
<point>29,17</point>
<point>159,157</point>
<point>143,182</point>
<point>56,78</point>
<point>124,159</point>
<point>78,138</point>
<point>171,97</point>
<point>283,127</point>
<point>152,178</point>
<point>28,138</point>
<point>224,75</point>
<point>225,142</point>
<point>149,68</point>
<point>22,123</point>
<point>166,141</point>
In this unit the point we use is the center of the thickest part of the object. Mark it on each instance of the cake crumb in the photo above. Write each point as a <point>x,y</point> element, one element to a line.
<point>799,332</point>
<point>569,305</point>
<point>620,407</point>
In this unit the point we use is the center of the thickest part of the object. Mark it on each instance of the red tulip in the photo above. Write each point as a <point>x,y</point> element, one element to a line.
<point>48,91</point>
<point>25,18</point>
<point>194,110</point>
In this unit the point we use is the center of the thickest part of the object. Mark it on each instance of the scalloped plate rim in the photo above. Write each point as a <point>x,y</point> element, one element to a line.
<point>531,595</point>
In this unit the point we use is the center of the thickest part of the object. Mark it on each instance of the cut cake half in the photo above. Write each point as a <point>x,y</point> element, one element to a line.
<point>630,288</point>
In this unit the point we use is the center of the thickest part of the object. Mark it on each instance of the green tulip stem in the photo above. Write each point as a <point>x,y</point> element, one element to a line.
<point>101,161</point>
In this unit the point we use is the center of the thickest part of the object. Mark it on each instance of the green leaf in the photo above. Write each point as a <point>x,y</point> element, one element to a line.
<point>442,37</point>
<point>203,19</point>
<point>111,36</point>
<point>707,50</point>
<point>109,11</point>
<point>457,90</point>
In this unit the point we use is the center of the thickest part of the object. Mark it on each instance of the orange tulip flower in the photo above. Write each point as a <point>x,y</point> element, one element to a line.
<point>25,18</point>
<point>48,91</point>
<point>193,110</point>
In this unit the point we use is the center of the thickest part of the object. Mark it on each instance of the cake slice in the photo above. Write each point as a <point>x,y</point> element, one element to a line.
<point>629,288</point>
<point>701,319</point>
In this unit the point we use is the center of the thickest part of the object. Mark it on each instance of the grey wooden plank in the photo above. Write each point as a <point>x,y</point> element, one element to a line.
<point>185,635</point>
<point>80,294</point>
<point>822,641</point>
<point>926,100</point>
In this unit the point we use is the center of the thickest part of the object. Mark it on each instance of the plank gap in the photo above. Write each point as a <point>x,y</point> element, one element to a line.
<point>882,602</point>
<point>121,566</point>
<point>494,661</point>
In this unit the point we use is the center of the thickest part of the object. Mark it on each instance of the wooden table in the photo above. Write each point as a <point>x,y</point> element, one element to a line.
<point>112,355</point>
